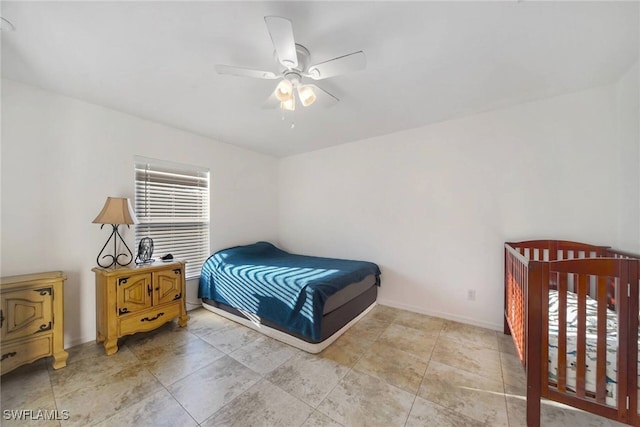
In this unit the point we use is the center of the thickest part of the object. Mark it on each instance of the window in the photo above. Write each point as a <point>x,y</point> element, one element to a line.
<point>172,207</point>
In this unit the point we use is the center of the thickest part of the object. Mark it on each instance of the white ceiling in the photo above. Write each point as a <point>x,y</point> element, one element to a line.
<point>426,61</point>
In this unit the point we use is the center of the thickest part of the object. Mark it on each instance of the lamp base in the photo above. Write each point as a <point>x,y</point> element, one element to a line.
<point>115,258</point>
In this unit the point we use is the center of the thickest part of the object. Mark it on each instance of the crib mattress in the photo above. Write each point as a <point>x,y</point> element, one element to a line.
<point>591,344</point>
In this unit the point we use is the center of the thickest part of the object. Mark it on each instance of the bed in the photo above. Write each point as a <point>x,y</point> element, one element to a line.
<point>572,309</point>
<point>305,301</point>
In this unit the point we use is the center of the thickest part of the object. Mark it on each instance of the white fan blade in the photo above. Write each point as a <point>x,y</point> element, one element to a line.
<point>281,32</point>
<point>323,97</point>
<point>341,65</point>
<point>244,72</point>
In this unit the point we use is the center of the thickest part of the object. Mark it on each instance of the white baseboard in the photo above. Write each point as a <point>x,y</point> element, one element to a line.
<point>448,316</point>
<point>78,341</point>
<point>193,306</point>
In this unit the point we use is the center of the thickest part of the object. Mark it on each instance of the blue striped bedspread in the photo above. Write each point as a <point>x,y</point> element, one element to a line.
<point>285,288</point>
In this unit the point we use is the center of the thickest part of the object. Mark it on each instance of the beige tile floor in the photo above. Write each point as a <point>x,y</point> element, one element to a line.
<point>393,368</point>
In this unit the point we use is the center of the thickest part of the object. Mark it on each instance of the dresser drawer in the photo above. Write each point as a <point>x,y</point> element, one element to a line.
<point>150,319</point>
<point>25,351</point>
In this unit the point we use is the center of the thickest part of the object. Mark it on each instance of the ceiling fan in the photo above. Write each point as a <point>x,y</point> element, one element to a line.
<point>294,66</point>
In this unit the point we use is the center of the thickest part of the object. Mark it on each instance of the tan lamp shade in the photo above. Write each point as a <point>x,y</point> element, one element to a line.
<point>116,210</point>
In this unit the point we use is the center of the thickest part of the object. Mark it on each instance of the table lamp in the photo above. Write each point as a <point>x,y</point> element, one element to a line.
<point>116,211</point>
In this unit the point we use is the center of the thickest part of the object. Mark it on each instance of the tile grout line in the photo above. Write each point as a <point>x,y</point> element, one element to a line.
<point>262,379</point>
<point>53,394</point>
<point>504,388</point>
<point>234,399</point>
<point>350,369</point>
<point>333,388</point>
<point>224,354</point>
<point>120,348</point>
<point>415,397</point>
<point>165,387</point>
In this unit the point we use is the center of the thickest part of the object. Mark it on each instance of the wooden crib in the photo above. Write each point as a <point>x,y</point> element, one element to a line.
<point>569,306</point>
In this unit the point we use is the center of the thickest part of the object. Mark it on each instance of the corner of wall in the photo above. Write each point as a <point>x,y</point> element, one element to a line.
<point>628,133</point>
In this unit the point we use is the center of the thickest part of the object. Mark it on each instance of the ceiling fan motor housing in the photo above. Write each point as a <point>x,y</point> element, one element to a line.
<point>304,58</point>
<point>293,77</point>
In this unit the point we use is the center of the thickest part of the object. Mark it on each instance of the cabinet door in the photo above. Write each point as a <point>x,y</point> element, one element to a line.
<point>133,293</point>
<point>26,312</point>
<point>168,285</point>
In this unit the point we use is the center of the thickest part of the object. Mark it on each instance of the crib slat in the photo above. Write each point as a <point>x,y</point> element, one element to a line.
<point>523,282</point>
<point>537,368</point>
<point>582,329</point>
<point>544,344</point>
<point>632,361</point>
<point>562,332</point>
<point>623,331</point>
<point>601,346</point>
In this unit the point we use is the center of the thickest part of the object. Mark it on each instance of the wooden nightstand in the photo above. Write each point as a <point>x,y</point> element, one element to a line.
<point>137,299</point>
<point>32,319</point>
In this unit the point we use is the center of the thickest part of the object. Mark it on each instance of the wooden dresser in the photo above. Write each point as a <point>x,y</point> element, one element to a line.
<point>32,319</point>
<point>137,299</point>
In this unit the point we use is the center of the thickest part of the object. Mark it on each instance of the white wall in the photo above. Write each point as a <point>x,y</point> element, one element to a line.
<point>628,111</point>
<point>62,157</point>
<point>433,205</point>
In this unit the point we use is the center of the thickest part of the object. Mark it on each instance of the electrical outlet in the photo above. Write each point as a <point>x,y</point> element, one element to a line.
<point>471,294</point>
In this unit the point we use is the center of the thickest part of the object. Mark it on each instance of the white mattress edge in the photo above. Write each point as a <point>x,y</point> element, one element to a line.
<point>286,338</point>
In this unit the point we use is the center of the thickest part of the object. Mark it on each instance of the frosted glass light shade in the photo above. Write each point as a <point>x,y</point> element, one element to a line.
<point>307,95</point>
<point>289,105</point>
<point>284,91</point>
<point>116,210</point>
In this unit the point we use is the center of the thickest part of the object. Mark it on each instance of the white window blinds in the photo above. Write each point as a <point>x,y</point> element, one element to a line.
<point>172,207</point>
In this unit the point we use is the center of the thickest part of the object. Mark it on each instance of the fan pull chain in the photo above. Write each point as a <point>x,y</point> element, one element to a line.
<point>292,125</point>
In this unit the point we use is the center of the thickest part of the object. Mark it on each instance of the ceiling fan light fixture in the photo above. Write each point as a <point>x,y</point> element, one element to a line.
<point>289,104</point>
<point>307,95</point>
<point>284,91</point>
